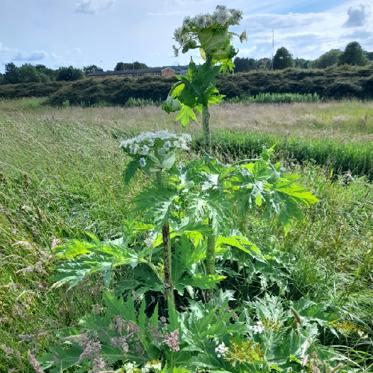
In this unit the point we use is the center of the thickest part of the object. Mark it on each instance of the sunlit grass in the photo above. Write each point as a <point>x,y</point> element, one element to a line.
<point>61,175</point>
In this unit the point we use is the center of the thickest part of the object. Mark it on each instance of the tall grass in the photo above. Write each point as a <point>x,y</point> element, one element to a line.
<point>277,98</point>
<point>339,158</point>
<point>61,176</point>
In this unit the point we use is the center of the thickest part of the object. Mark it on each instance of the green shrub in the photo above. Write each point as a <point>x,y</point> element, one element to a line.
<point>30,89</point>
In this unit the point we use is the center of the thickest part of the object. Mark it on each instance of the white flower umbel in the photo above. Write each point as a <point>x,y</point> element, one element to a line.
<point>144,143</point>
<point>152,366</point>
<point>142,162</point>
<point>221,350</point>
<point>156,150</point>
<point>129,367</point>
<point>221,16</point>
<point>258,328</point>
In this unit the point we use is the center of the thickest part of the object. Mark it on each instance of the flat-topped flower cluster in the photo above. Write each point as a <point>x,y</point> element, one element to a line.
<point>188,34</point>
<point>156,151</point>
<point>163,141</point>
<point>222,16</point>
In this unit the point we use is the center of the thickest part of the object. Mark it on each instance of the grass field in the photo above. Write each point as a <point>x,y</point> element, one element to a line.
<point>61,175</point>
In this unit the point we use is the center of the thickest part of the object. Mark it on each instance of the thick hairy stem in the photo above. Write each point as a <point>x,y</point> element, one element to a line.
<point>210,254</point>
<point>168,287</point>
<point>167,255</point>
<point>206,128</point>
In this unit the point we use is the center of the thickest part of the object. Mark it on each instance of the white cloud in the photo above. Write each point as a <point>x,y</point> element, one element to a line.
<point>280,21</point>
<point>93,6</point>
<point>357,15</point>
<point>307,34</point>
<point>13,54</point>
<point>30,57</point>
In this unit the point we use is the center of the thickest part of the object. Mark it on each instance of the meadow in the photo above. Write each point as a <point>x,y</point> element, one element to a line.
<point>61,176</point>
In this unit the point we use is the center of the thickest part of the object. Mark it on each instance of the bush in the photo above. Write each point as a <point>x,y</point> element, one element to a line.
<point>9,91</point>
<point>69,74</point>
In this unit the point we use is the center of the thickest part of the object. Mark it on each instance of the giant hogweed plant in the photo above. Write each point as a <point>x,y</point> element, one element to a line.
<point>168,252</point>
<point>155,315</point>
<point>194,92</point>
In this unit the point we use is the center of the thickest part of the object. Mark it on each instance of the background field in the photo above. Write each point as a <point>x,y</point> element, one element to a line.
<point>61,175</point>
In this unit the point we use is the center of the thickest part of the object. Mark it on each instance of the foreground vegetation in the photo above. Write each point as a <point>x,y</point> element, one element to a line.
<point>54,187</point>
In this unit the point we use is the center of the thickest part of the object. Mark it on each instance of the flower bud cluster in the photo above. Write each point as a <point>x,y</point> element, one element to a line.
<point>257,328</point>
<point>152,366</point>
<point>142,144</point>
<point>158,144</point>
<point>222,16</point>
<point>221,350</point>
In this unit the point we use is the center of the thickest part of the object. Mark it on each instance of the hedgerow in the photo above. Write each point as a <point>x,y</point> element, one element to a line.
<point>332,83</point>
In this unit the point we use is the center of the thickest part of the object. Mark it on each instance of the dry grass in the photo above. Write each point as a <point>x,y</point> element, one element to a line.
<point>348,121</point>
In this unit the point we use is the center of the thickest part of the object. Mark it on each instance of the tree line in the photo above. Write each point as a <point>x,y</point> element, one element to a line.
<point>28,73</point>
<point>352,55</point>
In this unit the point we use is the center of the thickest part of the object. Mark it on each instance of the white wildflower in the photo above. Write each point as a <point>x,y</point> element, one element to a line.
<point>258,328</point>
<point>149,240</point>
<point>154,365</point>
<point>167,145</point>
<point>222,15</point>
<point>221,350</point>
<point>144,150</point>
<point>142,162</point>
<point>134,148</point>
<point>129,367</point>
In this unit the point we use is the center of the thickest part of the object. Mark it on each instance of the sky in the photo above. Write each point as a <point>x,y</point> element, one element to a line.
<point>102,32</point>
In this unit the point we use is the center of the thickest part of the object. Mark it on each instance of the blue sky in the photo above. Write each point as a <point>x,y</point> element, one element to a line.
<point>103,32</point>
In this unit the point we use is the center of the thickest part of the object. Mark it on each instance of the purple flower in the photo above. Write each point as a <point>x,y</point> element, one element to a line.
<point>172,340</point>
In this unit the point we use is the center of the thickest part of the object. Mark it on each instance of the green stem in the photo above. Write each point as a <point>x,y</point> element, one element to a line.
<point>167,254</point>
<point>210,254</point>
<point>206,128</point>
<point>168,287</point>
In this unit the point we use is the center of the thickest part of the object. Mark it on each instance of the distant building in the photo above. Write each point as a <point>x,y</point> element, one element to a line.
<point>168,71</point>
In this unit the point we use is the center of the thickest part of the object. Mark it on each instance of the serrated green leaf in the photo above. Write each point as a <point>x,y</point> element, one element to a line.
<point>186,115</point>
<point>130,170</point>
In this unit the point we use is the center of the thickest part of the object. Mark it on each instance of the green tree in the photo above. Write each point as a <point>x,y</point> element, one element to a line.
<point>29,74</point>
<point>69,73</point>
<point>244,64</point>
<point>50,73</point>
<point>91,69</point>
<point>139,65</point>
<point>282,59</point>
<point>353,55</point>
<point>328,59</point>
<point>120,66</point>
<point>11,73</point>
<point>264,63</point>
<point>302,63</point>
